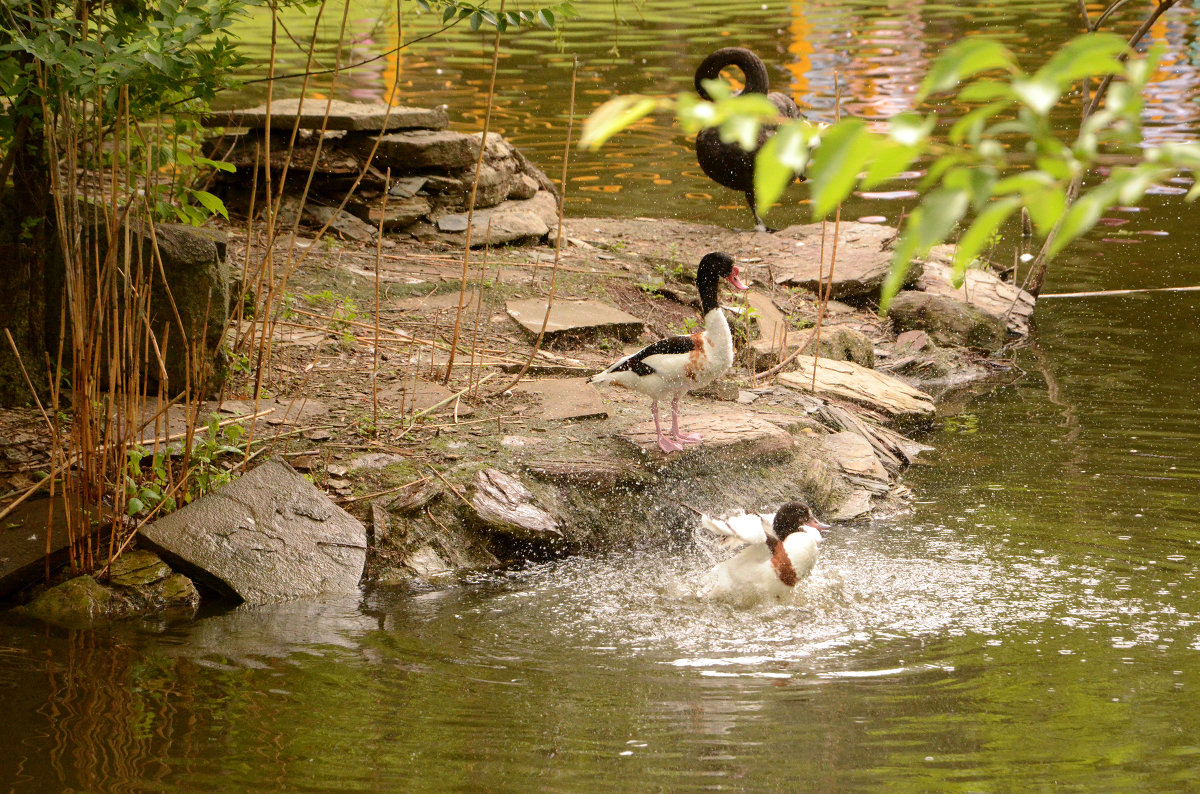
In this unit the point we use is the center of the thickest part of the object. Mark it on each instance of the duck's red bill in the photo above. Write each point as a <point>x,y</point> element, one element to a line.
<point>735,281</point>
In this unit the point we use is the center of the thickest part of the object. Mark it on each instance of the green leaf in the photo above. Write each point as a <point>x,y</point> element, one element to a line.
<point>134,506</point>
<point>211,203</point>
<point>980,232</point>
<point>985,91</point>
<point>476,20</point>
<point>1038,94</point>
<point>1082,216</point>
<point>1092,54</point>
<point>742,130</point>
<point>615,115</point>
<point>784,155</point>
<point>928,225</point>
<point>546,17</point>
<point>962,60</point>
<point>970,126</point>
<point>844,151</point>
<point>1046,205</point>
<point>448,14</point>
<point>1023,182</point>
<point>890,159</point>
<point>909,129</point>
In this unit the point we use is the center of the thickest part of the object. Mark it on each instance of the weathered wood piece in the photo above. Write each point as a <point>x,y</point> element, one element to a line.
<point>373,117</point>
<point>849,381</point>
<point>506,506</point>
<point>983,290</point>
<point>856,457</point>
<point>894,450</point>
<point>270,535</point>
<point>574,320</point>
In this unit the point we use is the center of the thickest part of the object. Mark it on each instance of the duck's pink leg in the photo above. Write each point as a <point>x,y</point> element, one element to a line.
<point>676,433</point>
<point>664,443</point>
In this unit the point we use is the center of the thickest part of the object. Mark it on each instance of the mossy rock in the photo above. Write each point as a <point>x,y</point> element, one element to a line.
<point>75,603</point>
<point>137,568</point>
<point>845,344</point>
<point>948,321</point>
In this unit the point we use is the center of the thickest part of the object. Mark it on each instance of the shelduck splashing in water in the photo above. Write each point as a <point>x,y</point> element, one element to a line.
<point>781,549</point>
<point>673,366</point>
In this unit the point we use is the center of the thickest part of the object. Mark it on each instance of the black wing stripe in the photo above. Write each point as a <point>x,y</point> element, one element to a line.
<point>670,345</point>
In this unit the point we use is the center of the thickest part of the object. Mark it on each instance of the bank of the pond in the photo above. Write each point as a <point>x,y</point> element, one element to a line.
<point>416,456</point>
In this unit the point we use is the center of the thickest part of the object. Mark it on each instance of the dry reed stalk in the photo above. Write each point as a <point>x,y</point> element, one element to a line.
<point>487,123</point>
<point>562,200</point>
<point>479,306</point>
<point>490,311</point>
<point>823,295</point>
<point>387,182</point>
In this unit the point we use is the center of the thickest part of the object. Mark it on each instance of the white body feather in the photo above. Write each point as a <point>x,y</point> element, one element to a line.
<point>750,577</point>
<point>677,373</point>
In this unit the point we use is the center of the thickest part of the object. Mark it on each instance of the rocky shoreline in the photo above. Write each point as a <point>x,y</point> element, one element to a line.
<point>440,476</point>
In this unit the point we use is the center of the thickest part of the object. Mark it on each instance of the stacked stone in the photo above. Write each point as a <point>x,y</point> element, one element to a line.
<point>426,170</point>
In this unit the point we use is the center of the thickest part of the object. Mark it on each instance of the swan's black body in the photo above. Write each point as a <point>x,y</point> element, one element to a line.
<point>729,164</point>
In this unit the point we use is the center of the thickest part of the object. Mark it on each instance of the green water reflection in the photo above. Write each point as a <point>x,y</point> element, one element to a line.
<point>1032,623</point>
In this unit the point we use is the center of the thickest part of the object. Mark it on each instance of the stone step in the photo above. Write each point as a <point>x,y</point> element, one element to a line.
<point>575,320</point>
<point>356,116</point>
<point>891,397</point>
<point>729,432</point>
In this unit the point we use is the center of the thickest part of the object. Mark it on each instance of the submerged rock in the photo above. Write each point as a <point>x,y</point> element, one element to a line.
<point>270,535</point>
<point>74,603</point>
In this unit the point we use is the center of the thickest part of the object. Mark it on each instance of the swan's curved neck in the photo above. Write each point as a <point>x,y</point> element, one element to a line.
<point>755,72</point>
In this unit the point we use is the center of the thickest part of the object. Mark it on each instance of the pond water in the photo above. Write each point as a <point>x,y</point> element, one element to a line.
<point>1032,622</point>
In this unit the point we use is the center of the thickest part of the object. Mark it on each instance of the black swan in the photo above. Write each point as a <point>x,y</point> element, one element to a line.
<point>729,164</point>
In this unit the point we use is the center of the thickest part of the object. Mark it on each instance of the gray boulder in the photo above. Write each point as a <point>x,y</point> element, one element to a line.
<point>270,535</point>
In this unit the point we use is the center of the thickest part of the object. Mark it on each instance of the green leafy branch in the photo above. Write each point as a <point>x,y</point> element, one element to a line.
<point>1000,156</point>
<point>478,15</point>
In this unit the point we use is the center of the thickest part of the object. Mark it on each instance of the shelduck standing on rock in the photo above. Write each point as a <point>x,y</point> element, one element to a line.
<point>781,550</point>
<point>673,366</point>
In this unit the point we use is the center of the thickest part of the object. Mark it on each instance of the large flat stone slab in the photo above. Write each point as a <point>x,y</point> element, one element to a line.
<point>985,291</point>
<point>574,320</point>
<point>728,432</point>
<point>848,381</point>
<point>353,116</point>
<point>268,536</point>
<point>862,260</point>
<point>562,399</point>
